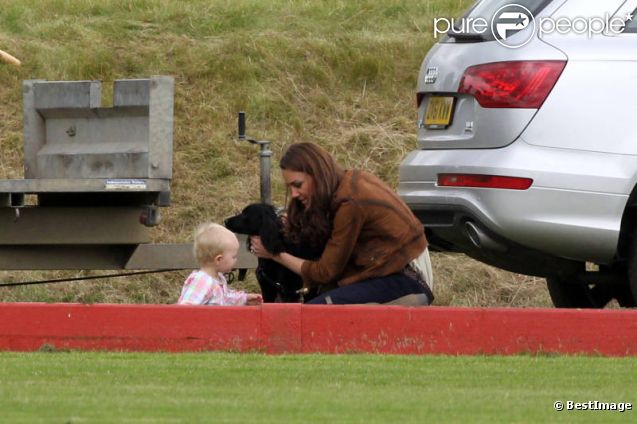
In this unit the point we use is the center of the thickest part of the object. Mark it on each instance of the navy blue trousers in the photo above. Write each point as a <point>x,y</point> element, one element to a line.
<point>377,290</point>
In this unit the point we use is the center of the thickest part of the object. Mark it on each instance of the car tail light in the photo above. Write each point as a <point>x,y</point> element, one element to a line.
<point>419,97</point>
<point>511,84</point>
<point>484,181</point>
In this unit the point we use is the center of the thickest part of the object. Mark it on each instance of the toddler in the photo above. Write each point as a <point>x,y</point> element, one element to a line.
<point>216,250</point>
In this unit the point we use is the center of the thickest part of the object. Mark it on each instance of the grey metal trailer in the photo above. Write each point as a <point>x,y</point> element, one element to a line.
<point>95,178</point>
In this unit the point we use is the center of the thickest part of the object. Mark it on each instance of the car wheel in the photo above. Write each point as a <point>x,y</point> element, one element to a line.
<point>569,293</point>
<point>624,296</point>
<point>632,267</point>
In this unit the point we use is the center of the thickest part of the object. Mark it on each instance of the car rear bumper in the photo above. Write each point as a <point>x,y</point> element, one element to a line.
<point>457,229</point>
<point>572,211</point>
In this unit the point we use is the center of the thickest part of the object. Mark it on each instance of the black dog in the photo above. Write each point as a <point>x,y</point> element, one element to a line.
<point>278,284</point>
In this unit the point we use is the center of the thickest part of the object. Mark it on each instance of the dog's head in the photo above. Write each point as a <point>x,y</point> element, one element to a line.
<point>259,219</point>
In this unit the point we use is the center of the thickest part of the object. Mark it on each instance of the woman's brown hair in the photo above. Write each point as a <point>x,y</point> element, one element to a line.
<point>312,225</point>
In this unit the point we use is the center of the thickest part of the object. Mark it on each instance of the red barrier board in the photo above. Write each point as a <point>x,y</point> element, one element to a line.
<point>295,328</point>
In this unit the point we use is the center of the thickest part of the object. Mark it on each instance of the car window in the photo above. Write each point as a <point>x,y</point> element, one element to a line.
<point>485,9</point>
<point>631,25</point>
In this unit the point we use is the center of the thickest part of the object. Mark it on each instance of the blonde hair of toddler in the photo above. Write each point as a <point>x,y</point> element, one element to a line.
<point>211,240</point>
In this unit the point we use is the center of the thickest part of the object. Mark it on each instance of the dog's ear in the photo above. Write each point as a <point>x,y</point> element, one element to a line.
<point>270,232</point>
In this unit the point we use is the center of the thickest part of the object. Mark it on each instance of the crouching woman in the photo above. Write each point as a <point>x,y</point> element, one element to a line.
<point>373,242</point>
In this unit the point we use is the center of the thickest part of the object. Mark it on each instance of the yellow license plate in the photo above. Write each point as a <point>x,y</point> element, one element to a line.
<point>439,112</point>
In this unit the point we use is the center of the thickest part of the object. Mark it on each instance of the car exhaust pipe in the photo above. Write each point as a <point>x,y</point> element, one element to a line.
<point>481,240</point>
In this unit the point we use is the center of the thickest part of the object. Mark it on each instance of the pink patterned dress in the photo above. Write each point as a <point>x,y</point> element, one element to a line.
<point>202,289</point>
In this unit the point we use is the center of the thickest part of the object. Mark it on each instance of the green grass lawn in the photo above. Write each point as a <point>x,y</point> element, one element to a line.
<point>215,387</point>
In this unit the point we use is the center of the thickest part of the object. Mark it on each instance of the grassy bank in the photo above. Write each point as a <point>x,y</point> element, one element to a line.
<point>339,73</point>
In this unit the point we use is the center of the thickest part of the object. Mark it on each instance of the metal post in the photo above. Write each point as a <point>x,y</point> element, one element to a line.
<point>265,160</point>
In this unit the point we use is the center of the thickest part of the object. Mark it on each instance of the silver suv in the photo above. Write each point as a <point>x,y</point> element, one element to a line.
<point>527,141</point>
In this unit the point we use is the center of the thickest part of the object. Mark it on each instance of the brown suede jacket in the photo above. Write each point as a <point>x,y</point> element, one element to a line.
<point>374,234</point>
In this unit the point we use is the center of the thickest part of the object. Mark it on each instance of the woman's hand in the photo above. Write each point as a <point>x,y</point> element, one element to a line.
<point>284,218</point>
<point>257,249</point>
<point>292,263</point>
